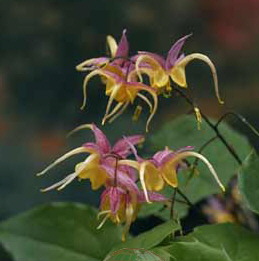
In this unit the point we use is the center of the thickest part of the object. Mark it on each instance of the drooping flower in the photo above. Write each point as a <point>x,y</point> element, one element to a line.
<point>162,168</point>
<point>99,167</point>
<point>160,70</point>
<point>122,206</point>
<point>120,81</point>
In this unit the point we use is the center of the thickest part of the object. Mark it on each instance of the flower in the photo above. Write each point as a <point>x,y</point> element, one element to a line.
<point>120,80</point>
<point>122,206</point>
<point>123,90</point>
<point>100,166</point>
<point>160,70</point>
<point>162,168</point>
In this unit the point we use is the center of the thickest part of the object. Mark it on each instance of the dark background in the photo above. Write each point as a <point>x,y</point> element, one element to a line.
<point>41,42</point>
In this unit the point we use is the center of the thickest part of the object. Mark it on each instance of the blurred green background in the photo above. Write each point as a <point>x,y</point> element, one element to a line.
<point>41,42</point>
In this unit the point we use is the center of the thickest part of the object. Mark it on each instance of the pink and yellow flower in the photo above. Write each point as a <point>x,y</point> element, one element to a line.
<point>99,166</point>
<point>160,70</point>
<point>162,168</point>
<point>120,81</point>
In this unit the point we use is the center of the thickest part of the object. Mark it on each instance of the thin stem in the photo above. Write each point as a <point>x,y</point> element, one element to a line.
<point>195,163</point>
<point>117,158</point>
<point>184,197</point>
<point>241,118</point>
<point>212,126</point>
<point>172,204</point>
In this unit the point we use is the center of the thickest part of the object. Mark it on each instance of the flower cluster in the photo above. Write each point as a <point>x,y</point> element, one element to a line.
<point>123,75</point>
<point>110,167</point>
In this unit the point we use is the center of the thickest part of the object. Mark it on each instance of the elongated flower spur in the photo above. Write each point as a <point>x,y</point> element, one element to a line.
<point>162,168</point>
<point>122,76</point>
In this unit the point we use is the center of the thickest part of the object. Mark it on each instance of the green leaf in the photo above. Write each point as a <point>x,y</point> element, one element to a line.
<point>151,238</point>
<point>224,242</point>
<point>182,132</point>
<point>58,231</point>
<point>248,181</point>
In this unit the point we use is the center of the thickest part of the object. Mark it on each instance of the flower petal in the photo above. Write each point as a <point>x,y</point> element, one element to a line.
<point>123,180</point>
<point>147,64</point>
<point>169,174</point>
<point>123,46</point>
<point>160,155</point>
<point>115,199</point>
<point>153,196</point>
<point>153,179</point>
<point>173,53</point>
<point>112,45</point>
<point>123,148</point>
<point>100,138</point>
<point>160,59</point>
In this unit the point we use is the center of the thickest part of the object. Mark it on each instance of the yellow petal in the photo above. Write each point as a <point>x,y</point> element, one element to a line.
<point>160,79</point>
<point>91,169</point>
<point>153,179</point>
<point>169,174</point>
<point>98,178</point>
<point>156,73</point>
<point>112,44</point>
<point>178,75</point>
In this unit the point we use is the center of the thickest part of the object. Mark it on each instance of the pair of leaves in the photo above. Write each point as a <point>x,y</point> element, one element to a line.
<point>67,232</point>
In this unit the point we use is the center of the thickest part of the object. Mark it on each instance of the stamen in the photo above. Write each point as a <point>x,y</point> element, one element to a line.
<point>198,117</point>
<point>64,157</point>
<point>137,113</point>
